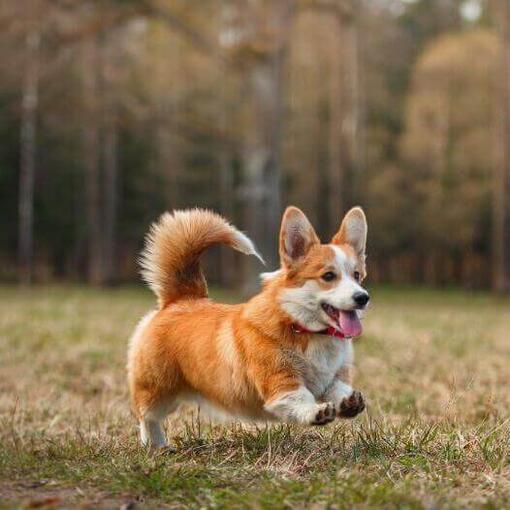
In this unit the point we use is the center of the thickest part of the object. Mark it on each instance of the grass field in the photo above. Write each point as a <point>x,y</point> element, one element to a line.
<point>434,368</point>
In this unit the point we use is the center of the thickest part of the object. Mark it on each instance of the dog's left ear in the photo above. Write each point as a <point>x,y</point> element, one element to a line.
<point>353,231</point>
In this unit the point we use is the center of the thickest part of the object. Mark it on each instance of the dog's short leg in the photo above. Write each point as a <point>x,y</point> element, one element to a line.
<point>299,406</point>
<point>151,433</point>
<point>338,391</point>
<point>151,424</point>
<point>351,406</point>
<point>349,403</point>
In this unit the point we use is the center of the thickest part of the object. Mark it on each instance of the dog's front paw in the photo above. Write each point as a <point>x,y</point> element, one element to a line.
<point>325,414</point>
<point>352,405</point>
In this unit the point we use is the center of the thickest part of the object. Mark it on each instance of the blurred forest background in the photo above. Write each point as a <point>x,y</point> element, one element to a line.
<point>112,111</point>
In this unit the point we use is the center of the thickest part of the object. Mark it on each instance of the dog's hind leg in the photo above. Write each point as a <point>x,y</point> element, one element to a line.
<point>151,433</point>
<point>151,424</point>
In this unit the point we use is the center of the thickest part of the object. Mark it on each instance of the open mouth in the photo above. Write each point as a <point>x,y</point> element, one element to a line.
<point>347,321</point>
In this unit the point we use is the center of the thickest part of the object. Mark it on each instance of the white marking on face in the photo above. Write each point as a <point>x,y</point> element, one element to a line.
<point>341,295</point>
<point>303,303</point>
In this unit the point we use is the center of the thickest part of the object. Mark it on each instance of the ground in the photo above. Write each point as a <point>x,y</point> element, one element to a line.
<point>433,366</point>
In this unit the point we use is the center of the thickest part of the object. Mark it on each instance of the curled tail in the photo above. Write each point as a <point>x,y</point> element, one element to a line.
<point>170,260</point>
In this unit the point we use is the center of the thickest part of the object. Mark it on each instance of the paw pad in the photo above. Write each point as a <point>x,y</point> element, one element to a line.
<point>325,414</point>
<point>351,406</point>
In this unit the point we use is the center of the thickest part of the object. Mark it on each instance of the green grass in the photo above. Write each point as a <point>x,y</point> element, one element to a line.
<point>433,366</point>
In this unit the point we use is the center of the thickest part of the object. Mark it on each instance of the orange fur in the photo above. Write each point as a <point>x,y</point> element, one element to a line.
<point>239,357</point>
<point>184,352</point>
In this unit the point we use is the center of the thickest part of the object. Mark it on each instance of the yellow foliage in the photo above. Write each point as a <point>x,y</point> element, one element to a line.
<point>448,140</point>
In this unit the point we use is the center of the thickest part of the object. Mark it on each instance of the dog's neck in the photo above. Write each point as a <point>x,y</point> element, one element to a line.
<point>264,313</point>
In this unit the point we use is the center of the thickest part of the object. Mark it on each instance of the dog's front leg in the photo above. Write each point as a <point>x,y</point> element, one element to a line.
<point>348,402</point>
<point>299,406</point>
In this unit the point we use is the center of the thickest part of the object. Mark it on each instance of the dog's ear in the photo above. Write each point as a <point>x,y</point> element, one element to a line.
<point>297,236</point>
<point>353,231</point>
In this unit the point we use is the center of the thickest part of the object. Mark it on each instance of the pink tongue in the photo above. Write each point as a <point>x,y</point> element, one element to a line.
<point>349,323</point>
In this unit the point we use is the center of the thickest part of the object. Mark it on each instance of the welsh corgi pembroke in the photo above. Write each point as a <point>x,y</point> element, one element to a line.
<point>286,354</point>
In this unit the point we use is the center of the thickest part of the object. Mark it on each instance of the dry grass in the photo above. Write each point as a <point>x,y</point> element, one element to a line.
<point>434,367</point>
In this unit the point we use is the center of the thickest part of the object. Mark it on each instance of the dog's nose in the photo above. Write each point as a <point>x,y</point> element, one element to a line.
<point>361,298</point>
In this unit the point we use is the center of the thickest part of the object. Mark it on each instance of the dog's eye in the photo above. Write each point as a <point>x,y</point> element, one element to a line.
<point>357,276</point>
<point>329,276</point>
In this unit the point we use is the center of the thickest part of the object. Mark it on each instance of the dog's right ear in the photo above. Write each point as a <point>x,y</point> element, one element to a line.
<point>297,236</point>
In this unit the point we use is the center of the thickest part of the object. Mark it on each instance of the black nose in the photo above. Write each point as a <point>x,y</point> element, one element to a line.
<point>361,298</point>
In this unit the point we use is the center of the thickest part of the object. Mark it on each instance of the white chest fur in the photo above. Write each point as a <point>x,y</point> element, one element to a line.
<point>323,359</point>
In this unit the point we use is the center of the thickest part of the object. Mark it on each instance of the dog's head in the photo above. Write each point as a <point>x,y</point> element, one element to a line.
<point>320,284</point>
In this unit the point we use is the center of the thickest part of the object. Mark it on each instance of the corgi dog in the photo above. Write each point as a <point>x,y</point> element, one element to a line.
<point>286,354</point>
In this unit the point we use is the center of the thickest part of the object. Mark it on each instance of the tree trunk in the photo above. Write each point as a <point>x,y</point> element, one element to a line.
<point>110,158</point>
<point>229,275</point>
<point>345,134</point>
<point>226,191</point>
<point>354,122</point>
<point>28,141</point>
<point>168,156</point>
<point>91,159</point>
<point>336,173</point>
<point>351,133</point>
<point>261,163</point>
<point>501,179</point>
<point>262,148</point>
<point>110,168</point>
<point>169,153</point>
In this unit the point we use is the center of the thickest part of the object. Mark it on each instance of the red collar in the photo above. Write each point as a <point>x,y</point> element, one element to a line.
<point>331,331</point>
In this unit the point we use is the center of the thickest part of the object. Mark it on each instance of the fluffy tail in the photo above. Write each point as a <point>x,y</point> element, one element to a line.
<point>170,261</point>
